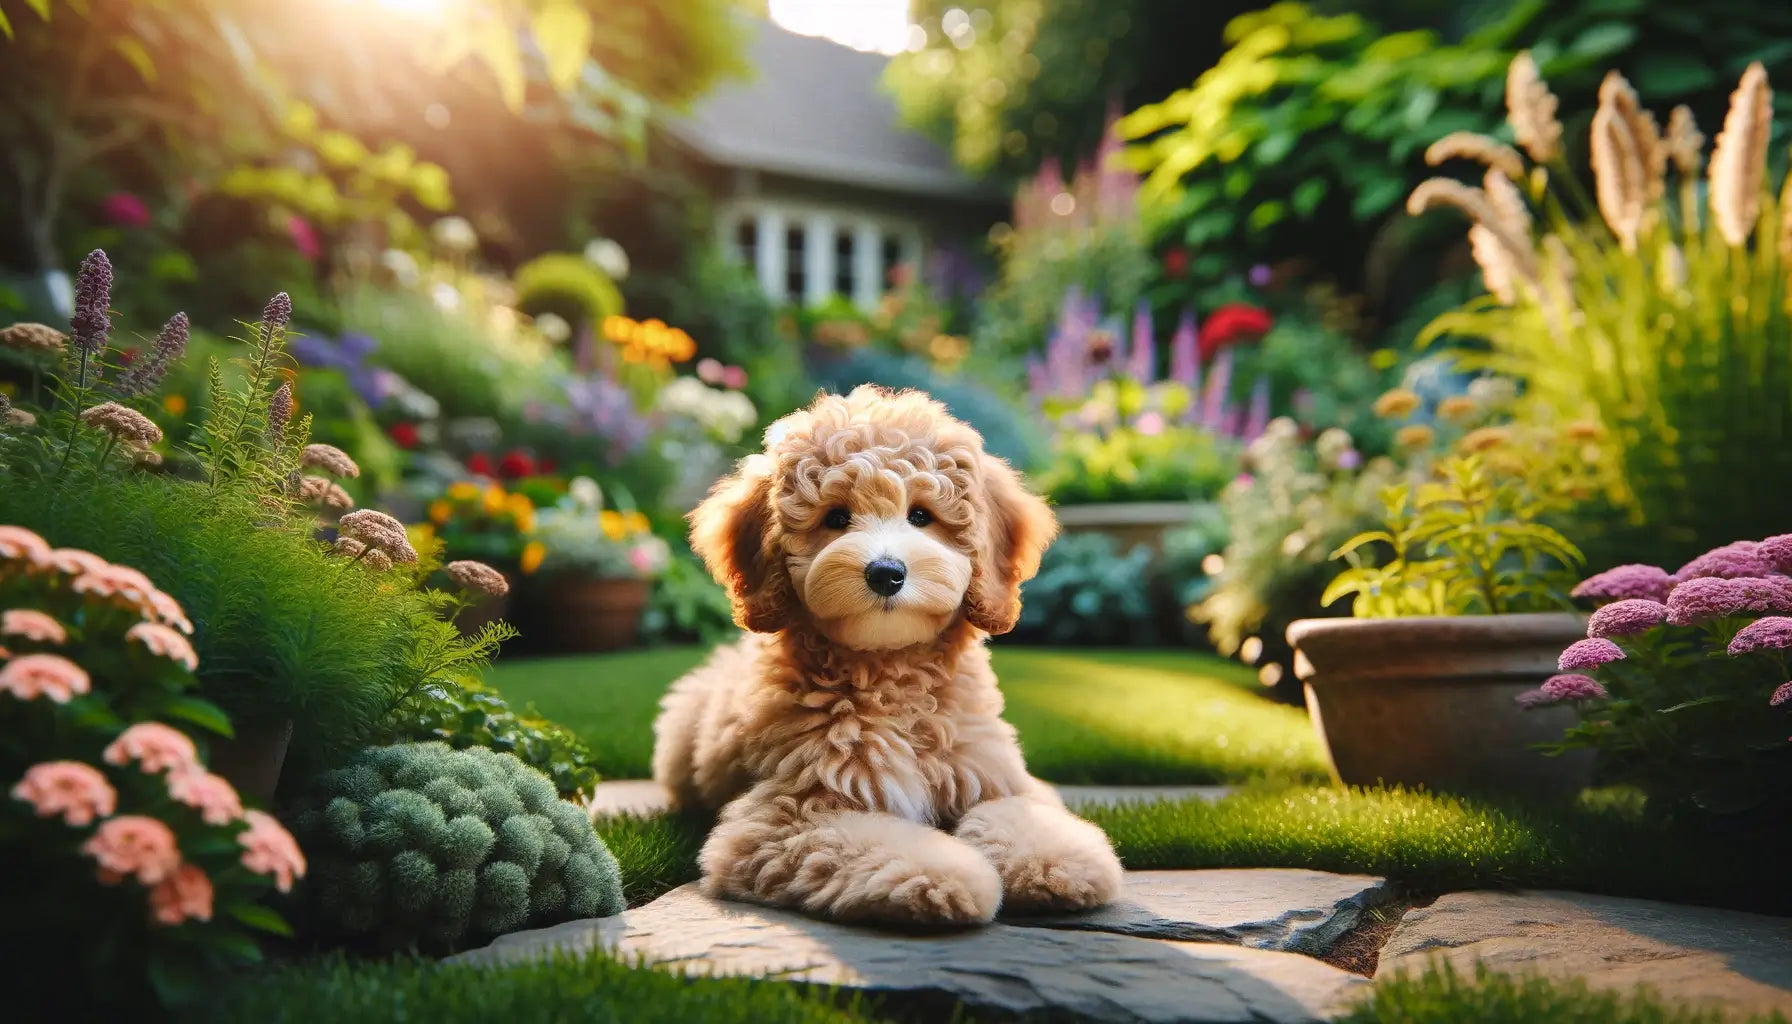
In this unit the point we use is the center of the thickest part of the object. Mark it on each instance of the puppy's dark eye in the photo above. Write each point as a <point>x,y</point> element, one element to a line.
<point>837,519</point>
<point>919,516</point>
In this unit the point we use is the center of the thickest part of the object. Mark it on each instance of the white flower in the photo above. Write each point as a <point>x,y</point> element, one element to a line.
<point>402,266</point>
<point>553,327</point>
<point>585,492</point>
<point>608,257</point>
<point>445,296</point>
<point>454,234</point>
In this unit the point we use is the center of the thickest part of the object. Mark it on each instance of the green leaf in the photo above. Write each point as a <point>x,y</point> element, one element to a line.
<point>1377,196</point>
<point>1695,702</point>
<point>1346,583</point>
<point>1366,537</point>
<point>42,7</point>
<point>563,31</point>
<point>1603,40</point>
<point>1308,195</point>
<point>1672,74</point>
<point>261,919</point>
<point>5,25</point>
<point>202,713</point>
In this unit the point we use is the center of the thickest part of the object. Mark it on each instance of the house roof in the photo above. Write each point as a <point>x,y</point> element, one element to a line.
<point>815,110</point>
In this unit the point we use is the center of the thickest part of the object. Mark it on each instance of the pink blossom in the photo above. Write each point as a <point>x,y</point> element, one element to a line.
<point>133,844</point>
<point>734,378</point>
<point>1531,699</point>
<point>20,544</point>
<point>1627,617</point>
<point>187,893</point>
<point>1773,633</point>
<point>1731,561</point>
<point>1780,696</point>
<point>34,626</point>
<point>709,370</point>
<point>1777,552</point>
<point>44,675</point>
<point>1150,424</point>
<point>126,210</point>
<point>72,789</point>
<point>168,610</point>
<point>1646,582</point>
<point>214,797</point>
<point>1705,598</point>
<point>75,562</point>
<point>1589,653</point>
<point>304,238</point>
<point>1572,686</point>
<point>268,849</point>
<point>165,643</point>
<point>154,746</point>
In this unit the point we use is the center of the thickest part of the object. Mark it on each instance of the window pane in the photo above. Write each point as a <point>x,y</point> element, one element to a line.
<point>796,265</point>
<point>746,241</point>
<point>892,259</point>
<point>845,273</point>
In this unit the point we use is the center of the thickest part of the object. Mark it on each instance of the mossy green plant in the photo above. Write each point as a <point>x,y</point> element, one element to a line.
<point>425,847</point>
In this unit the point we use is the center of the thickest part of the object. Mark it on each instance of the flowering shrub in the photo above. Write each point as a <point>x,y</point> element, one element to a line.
<point>139,860</point>
<point>580,536</point>
<point>1640,309</point>
<point>1682,680</point>
<point>419,845</point>
<point>487,522</point>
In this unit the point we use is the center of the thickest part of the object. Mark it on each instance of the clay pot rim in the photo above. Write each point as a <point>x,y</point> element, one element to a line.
<point>1477,630</point>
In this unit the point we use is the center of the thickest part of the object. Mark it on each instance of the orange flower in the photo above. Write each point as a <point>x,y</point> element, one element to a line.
<point>440,512</point>
<point>612,523</point>
<point>72,789</point>
<point>44,675</point>
<point>187,893</point>
<point>533,553</point>
<point>132,844</point>
<point>175,405</point>
<point>268,849</point>
<point>156,748</point>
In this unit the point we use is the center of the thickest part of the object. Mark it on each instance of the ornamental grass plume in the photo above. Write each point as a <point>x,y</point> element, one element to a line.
<point>1771,633</point>
<point>155,747</point>
<point>1684,142</point>
<point>41,339</point>
<point>1619,178</point>
<point>1489,152</point>
<point>91,323</point>
<point>76,791</point>
<point>378,530</point>
<point>330,459</point>
<point>133,846</point>
<point>122,423</point>
<point>33,625</point>
<point>44,675</point>
<point>1531,110</point>
<point>1616,91</point>
<point>1739,158</point>
<point>1437,193</point>
<point>1629,617</point>
<point>169,346</point>
<point>1707,598</point>
<point>1590,653</point>
<point>478,576</point>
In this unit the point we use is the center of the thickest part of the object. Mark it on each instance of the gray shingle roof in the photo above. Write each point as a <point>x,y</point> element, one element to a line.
<point>816,110</point>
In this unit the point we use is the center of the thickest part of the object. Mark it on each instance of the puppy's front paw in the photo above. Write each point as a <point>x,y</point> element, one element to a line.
<point>1049,860</point>
<point>1071,880</point>
<point>968,892</point>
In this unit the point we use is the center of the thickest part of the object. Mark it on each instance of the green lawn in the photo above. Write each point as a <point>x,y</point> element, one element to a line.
<point>1122,717</point>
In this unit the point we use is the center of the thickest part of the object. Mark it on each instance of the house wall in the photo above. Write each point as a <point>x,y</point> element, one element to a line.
<point>807,241</point>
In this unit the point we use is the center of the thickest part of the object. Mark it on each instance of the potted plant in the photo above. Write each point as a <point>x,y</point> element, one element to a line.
<point>485,523</point>
<point>597,570</point>
<point>1470,610</point>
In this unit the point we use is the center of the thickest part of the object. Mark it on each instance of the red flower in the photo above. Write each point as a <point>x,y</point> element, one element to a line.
<point>1231,324</point>
<point>516,465</point>
<point>304,238</point>
<point>546,467</point>
<point>126,210</point>
<point>479,464</point>
<point>404,435</point>
<point>1175,261</point>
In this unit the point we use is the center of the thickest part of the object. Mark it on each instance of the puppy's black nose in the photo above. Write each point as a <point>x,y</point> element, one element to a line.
<point>884,576</point>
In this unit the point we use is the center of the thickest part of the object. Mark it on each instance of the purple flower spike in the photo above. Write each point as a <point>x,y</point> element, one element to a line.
<point>1627,618</point>
<point>1572,686</point>
<point>92,321</point>
<point>1706,598</point>
<point>1780,696</point>
<point>1732,561</point>
<point>1185,359</point>
<point>1645,582</point>
<point>1777,552</point>
<point>1589,653</point>
<point>1773,633</point>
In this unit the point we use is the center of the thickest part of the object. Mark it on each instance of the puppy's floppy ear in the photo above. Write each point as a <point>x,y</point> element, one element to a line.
<point>1018,527</point>
<point>734,532</point>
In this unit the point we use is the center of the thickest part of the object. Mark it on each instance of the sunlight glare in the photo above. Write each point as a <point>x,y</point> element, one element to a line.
<point>881,26</point>
<point>416,9</point>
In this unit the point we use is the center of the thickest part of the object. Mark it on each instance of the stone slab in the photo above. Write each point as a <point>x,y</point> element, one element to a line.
<point>644,797</point>
<point>1740,962</point>
<point>1264,908</point>
<point>1091,974</point>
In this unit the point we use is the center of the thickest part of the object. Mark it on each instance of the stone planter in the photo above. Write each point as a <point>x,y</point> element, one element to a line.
<point>1430,701</point>
<point>581,614</point>
<point>252,760</point>
<point>1130,523</point>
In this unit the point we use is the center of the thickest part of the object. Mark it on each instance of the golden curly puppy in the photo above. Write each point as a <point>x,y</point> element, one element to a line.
<point>853,740</point>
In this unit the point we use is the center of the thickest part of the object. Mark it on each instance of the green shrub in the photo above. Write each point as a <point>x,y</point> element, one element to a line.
<point>1006,430</point>
<point>567,285</point>
<point>422,846</point>
<point>1088,592</point>
<point>464,713</point>
<point>687,606</point>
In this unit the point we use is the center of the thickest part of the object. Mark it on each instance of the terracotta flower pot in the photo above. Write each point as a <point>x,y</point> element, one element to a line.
<point>253,759</point>
<point>1430,701</point>
<point>582,614</point>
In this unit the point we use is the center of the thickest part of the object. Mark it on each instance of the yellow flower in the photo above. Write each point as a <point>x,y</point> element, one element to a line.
<point>525,521</point>
<point>494,500</point>
<point>1414,437</point>
<point>1456,408</point>
<point>439,512</point>
<point>612,524</point>
<point>519,505</point>
<point>1485,439</point>
<point>175,405</point>
<point>533,553</point>
<point>464,490</point>
<point>1398,403</point>
<point>635,522</point>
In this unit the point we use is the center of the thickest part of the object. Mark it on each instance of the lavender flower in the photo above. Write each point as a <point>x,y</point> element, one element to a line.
<point>92,321</point>
<point>147,374</point>
<point>1213,397</point>
<point>1780,696</point>
<point>1627,618</point>
<point>1626,582</point>
<point>1142,359</point>
<point>280,413</point>
<point>1732,561</point>
<point>1777,552</point>
<point>277,314</point>
<point>1773,633</point>
<point>1590,653</point>
<point>1258,417</point>
<point>1705,598</point>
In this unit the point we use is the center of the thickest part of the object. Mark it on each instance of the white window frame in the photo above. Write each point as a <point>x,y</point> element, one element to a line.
<point>820,224</point>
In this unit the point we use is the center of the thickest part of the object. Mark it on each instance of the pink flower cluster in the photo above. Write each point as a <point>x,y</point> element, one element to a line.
<point>1628,617</point>
<point>1589,653</point>
<point>1707,598</point>
<point>1731,561</point>
<point>1560,688</point>
<point>1627,582</point>
<point>92,576</point>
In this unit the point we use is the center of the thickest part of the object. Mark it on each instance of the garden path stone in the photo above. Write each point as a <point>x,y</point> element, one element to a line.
<point>1741,962</point>
<point>1092,974</point>
<point>644,797</point>
<point>1292,910</point>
